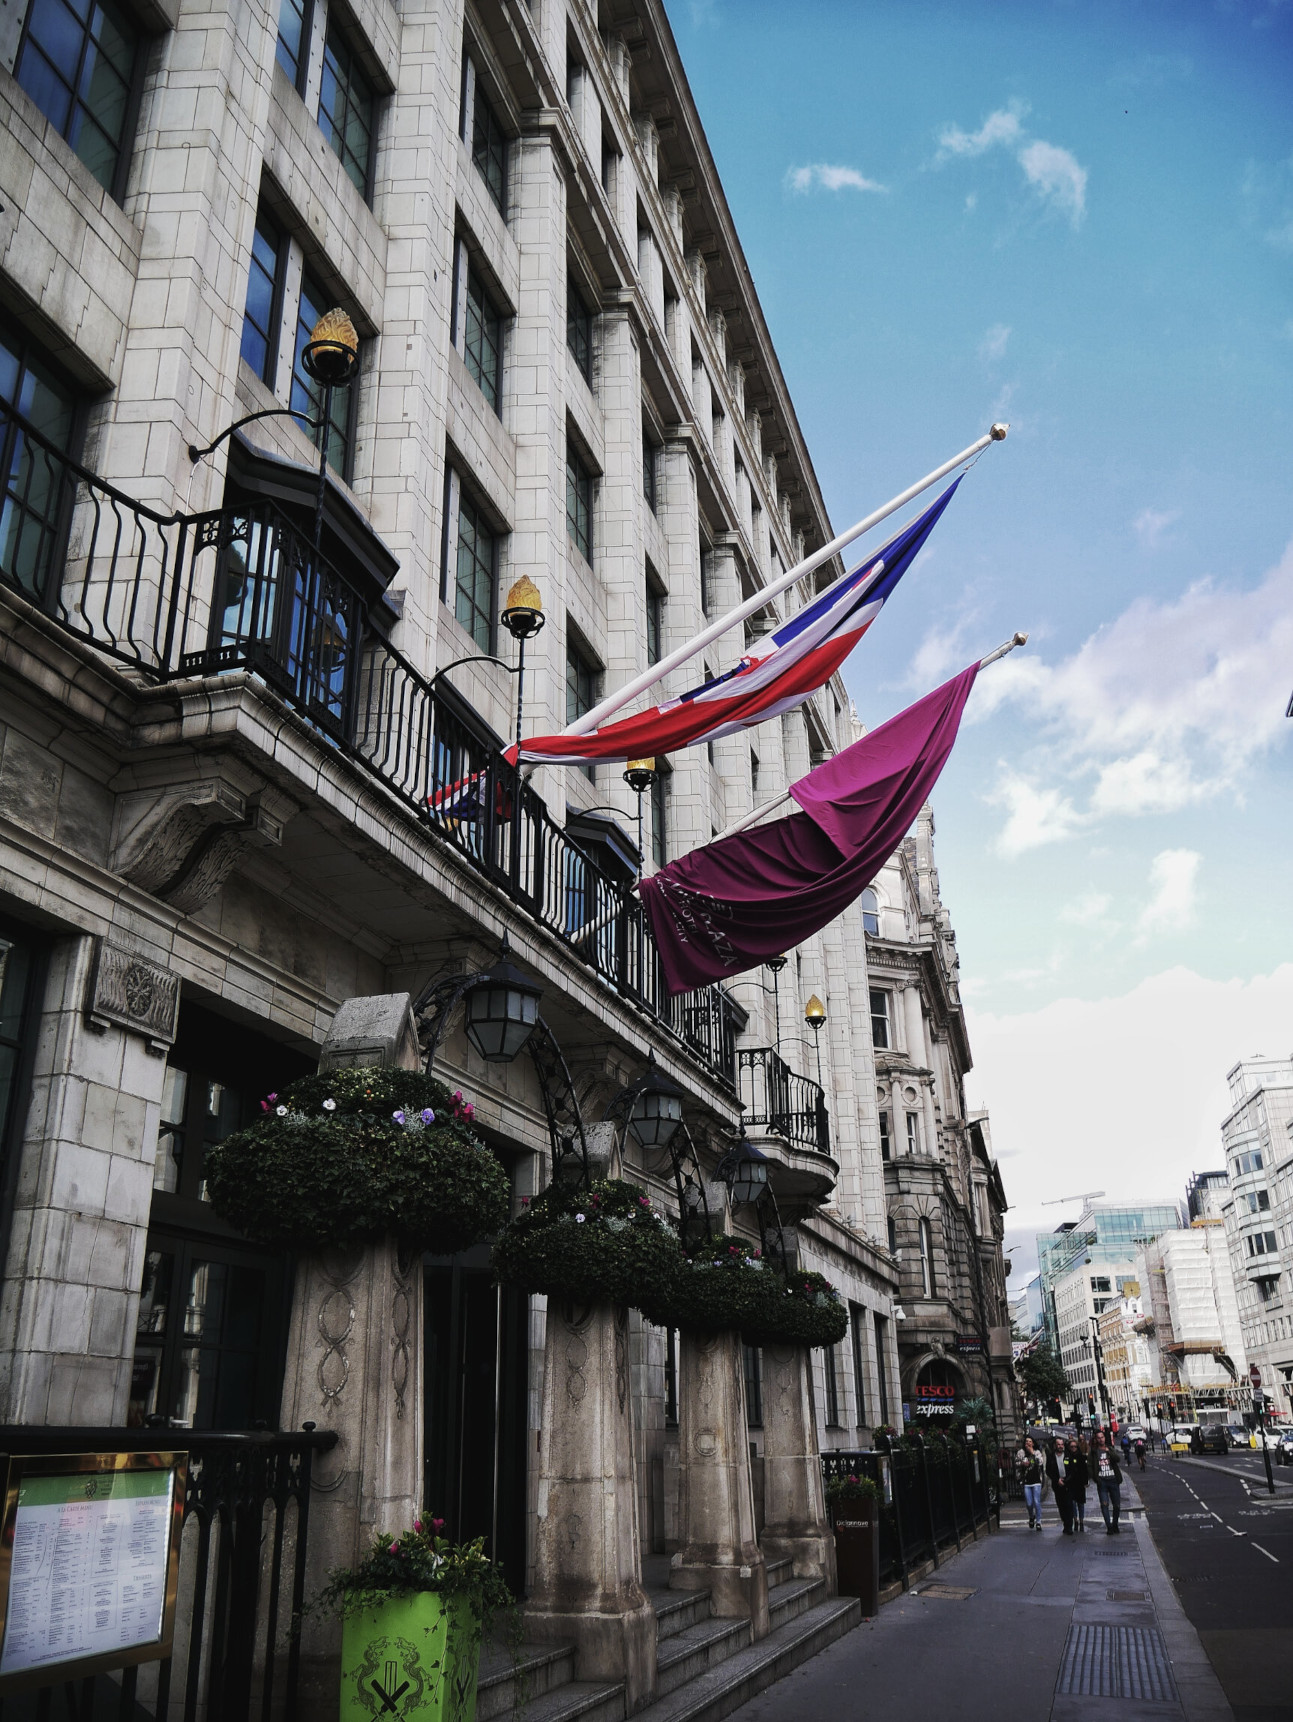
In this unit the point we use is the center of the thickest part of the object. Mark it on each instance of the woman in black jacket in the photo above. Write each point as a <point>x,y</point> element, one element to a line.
<point>1076,1478</point>
<point>1055,1476</point>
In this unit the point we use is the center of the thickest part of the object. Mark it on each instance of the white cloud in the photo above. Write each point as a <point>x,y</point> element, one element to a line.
<point>1001,127</point>
<point>829,178</point>
<point>1033,816</point>
<point>992,348</point>
<point>1150,525</point>
<point>1091,909</point>
<point>1052,171</point>
<point>1174,881</point>
<point>1055,174</point>
<point>1063,1092</point>
<point>1171,704</point>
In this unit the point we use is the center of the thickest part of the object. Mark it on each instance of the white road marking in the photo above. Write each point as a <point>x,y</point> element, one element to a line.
<point>1267,1553</point>
<point>1233,1531</point>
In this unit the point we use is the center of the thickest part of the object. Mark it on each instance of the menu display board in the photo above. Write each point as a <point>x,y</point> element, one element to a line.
<point>87,1563</point>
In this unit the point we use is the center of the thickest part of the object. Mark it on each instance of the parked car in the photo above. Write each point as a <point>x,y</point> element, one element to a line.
<point>1282,1448</point>
<point>1209,1438</point>
<point>1180,1436</point>
<point>1239,1436</point>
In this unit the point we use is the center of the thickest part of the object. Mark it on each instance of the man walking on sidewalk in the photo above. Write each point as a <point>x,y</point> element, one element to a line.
<point>1028,1463</point>
<point>1108,1481</point>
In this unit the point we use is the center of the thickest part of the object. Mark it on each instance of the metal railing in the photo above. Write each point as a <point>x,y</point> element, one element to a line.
<point>935,1491</point>
<point>236,1652</point>
<point>242,588</point>
<point>778,1098</point>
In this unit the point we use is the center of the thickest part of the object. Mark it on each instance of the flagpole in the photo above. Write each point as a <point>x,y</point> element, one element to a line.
<point>781,800</point>
<point>656,672</point>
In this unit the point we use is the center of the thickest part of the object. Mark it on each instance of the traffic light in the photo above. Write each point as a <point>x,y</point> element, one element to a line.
<point>1090,1405</point>
<point>1054,1409</point>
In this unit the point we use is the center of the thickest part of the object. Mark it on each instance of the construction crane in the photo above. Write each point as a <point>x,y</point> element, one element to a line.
<point>1082,1196</point>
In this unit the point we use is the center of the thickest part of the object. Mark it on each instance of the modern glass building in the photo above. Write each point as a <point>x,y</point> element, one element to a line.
<point>1100,1234</point>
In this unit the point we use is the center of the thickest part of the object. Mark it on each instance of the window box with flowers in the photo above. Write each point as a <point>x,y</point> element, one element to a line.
<point>347,1157</point>
<point>807,1311</point>
<point>604,1244</point>
<point>413,1613</point>
<point>724,1286</point>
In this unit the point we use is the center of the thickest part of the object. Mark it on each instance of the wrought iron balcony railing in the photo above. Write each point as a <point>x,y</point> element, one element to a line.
<point>172,596</point>
<point>779,1099</point>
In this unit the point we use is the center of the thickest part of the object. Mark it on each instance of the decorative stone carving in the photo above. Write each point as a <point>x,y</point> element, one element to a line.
<point>587,1555</point>
<point>131,991</point>
<point>180,841</point>
<point>794,1505</point>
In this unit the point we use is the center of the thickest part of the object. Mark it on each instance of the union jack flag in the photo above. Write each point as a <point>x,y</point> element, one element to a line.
<point>772,677</point>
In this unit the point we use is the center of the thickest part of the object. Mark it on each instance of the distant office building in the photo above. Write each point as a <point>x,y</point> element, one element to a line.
<point>1081,1296</point>
<point>1258,1215</point>
<point>1102,1235</point>
<point>1191,1320</point>
<point>1206,1195</point>
<point>1125,1348</point>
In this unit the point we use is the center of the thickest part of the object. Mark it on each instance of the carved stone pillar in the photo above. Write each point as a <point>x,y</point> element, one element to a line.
<point>354,1364</point>
<point>794,1511</point>
<point>588,1551</point>
<point>720,1551</point>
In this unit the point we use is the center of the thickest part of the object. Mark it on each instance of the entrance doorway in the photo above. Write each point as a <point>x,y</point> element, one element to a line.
<point>477,1372</point>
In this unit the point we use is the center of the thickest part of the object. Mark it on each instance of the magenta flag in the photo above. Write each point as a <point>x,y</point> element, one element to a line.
<point>738,901</point>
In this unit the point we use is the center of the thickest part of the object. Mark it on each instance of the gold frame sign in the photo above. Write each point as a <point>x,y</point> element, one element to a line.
<point>89,1563</point>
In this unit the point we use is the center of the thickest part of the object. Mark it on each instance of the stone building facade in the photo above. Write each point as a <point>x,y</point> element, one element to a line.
<point>943,1190</point>
<point>1258,1215</point>
<point>232,753</point>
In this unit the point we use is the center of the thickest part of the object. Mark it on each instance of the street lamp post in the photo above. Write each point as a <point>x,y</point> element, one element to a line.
<point>776,964</point>
<point>815,1016</point>
<point>640,775</point>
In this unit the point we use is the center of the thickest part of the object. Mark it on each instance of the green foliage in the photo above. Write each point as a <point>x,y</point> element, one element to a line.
<point>723,1286</point>
<point>979,1414</point>
<point>1043,1375</point>
<point>417,1560</point>
<point>808,1311</point>
<point>606,1244</point>
<point>349,1156</point>
<point>850,1491</point>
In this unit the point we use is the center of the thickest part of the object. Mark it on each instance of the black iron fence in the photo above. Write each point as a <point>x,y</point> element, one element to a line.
<point>779,1098</point>
<point>242,588</point>
<point>241,1582</point>
<point>936,1491</point>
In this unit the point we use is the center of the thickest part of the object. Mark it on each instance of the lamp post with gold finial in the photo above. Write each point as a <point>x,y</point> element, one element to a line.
<point>640,775</point>
<point>815,1016</point>
<point>522,615</point>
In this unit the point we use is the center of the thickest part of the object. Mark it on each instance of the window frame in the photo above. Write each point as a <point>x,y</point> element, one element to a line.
<point>830,1377</point>
<point>581,484</point>
<point>336,33</point>
<point>883,1042</point>
<point>580,321</point>
<point>857,1331</point>
<point>472,296</point>
<point>16,446</point>
<point>299,77</point>
<point>925,1239</point>
<point>458,495</point>
<point>869,903</point>
<point>475,102</point>
<point>655,605</point>
<point>115,186</point>
<point>278,292</point>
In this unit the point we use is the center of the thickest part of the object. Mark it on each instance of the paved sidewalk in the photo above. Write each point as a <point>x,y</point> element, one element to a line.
<point>1037,1627</point>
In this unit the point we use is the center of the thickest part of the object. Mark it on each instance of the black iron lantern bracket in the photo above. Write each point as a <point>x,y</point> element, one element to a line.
<point>432,1011</point>
<point>772,1239</point>
<point>677,1141</point>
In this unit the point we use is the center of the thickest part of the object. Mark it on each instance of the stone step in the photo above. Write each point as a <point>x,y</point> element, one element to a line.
<point>722,1689</point>
<point>780,1571</point>
<point>537,1668</point>
<point>579,1701</point>
<point>676,1610</point>
<point>689,1653</point>
<point>787,1601</point>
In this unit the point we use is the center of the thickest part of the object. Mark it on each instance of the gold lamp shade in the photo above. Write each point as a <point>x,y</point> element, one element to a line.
<point>814,1013</point>
<point>331,355</point>
<point>640,774</point>
<point>522,614</point>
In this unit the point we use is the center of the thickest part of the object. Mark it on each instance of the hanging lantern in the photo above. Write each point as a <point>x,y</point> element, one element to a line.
<point>657,1110</point>
<point>744,1169</point>
<point>502,1011</point>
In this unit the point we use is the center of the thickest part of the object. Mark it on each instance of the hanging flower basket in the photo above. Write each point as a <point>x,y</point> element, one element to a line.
<point>606,1244</point>
<point>809,1311</point>
<point>350,1156</point>
<point>724,1286</point>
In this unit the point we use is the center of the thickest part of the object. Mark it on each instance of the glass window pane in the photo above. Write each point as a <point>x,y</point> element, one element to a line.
<point>482,345</point>
<point>78,67</point>
<point>346,110</point>
<point>489,150</point>
<point>292,38</point>
<point>474,576</point>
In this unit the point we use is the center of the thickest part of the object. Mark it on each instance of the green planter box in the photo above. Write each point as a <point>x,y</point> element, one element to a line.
<point>412,1660</point>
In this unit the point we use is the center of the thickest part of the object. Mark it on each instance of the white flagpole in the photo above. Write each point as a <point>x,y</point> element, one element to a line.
<point>616,701</point>
<point>758,813</point>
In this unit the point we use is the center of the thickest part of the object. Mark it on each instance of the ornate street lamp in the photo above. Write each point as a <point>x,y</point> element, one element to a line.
<point>523,617</point>
<point>744,1169</point>
<point>502,1012</point>
<point>657,1108</point>
<point>815,1016</point>
<point>640,774</point>
<point>776,964</point>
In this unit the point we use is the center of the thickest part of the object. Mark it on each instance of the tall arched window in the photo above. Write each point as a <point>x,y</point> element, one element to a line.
<point>870,911</point>
<point>926,1259</point>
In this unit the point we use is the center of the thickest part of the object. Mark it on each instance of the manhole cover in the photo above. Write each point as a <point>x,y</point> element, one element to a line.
<point>1127,1595</point>
<point>947,1592</point>
<point>1116,1662</point>
<point>1112,1554</point>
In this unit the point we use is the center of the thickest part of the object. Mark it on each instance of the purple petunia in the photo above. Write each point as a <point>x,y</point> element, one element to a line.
<point>428,1117</point>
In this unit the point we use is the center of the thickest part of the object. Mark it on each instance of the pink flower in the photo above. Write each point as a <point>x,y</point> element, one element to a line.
<point>271,1097</point>
<point>417,1526</point>
<point>395,1548</point>
<point>437,1525</point>
<point>525,1201</point>
<point>643,1202</point>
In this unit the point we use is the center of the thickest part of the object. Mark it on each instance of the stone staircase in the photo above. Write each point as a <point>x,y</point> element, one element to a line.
<point>707,1666</point>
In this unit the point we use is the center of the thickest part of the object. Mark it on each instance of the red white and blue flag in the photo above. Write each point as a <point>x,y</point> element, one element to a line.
<point>772,678</point>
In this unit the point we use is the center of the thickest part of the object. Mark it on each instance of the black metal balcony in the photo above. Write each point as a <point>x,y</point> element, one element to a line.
<point>242,588</point>
<point>777,1098</point>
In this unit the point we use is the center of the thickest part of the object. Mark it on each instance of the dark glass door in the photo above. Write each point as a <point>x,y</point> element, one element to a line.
<point>476,1389</point>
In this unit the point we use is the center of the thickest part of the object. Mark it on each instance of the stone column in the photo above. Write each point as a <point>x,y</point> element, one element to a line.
<point>588,1560</point>
<point>354,1364</point>
<point>794,1512</point>
<point>720,1551</point>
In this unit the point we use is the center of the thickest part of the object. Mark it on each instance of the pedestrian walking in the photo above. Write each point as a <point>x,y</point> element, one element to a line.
<point>1140,1451</point>
<point>1055,1477</point>
<point>1108,1481</point>
<point>1076,1477</point>
<point>1126,1449</point>
<point>1032,1474</point>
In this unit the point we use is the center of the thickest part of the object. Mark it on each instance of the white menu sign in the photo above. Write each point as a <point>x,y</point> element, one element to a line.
<point>88,1571</point>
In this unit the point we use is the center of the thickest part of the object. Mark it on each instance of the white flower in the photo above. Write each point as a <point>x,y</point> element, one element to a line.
<point>329,1106</point>
<point>579,1219</point>
<point>281,1111</point>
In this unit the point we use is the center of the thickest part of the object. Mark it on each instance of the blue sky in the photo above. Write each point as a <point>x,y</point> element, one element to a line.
<point>1078,218</point>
